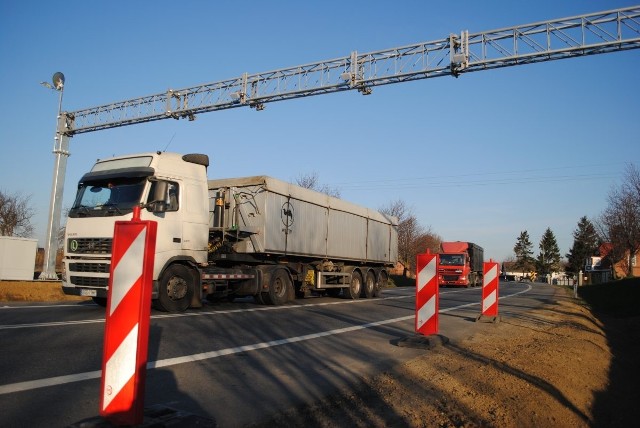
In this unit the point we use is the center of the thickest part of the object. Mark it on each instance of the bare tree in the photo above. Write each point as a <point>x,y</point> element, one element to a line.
<point>15,215</point>
<point>619,223</point>
<point>311,181</point>
<point>413,239</point>
<point>429,240</point>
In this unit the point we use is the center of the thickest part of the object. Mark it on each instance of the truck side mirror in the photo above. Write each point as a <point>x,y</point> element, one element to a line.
<point>158,198</point>
<point>157,206</point>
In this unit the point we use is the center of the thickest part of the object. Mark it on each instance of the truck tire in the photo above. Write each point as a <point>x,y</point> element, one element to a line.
<point>176,289</point>
<point>280,288</point>
<point>383,280</point>
<point>355,288</point>
<point>369,289</point>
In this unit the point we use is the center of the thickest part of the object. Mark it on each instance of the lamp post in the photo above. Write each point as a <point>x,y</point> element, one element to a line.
<point>61,153</point>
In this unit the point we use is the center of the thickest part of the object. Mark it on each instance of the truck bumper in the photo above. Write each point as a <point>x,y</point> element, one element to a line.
<point>453,284</point>
<point>72,290</point>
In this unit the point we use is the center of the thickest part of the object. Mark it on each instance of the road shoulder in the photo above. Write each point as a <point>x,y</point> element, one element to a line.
<point>546,367</point>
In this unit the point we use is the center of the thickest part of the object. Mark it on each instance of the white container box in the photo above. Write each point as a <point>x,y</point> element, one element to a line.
<point>17,258</point>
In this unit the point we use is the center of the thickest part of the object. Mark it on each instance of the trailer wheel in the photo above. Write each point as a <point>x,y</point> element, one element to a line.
<point>280,288</point>
<point>383,280</point>
<point>369,289</point>
<point>354,289</point>
<point>176,289</point>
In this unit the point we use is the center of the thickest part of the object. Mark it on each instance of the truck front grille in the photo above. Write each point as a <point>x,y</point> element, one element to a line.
<point>89,267</point>
<point>89,245</point>
<point>89,281</point>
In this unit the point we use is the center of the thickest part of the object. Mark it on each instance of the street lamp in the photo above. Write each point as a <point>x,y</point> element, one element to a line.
<point>61,153</point>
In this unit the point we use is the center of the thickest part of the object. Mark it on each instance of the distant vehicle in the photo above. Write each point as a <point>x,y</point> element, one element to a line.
<point>460,264</point>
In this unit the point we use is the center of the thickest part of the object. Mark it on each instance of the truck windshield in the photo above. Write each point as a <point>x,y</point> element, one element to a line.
<point>107,198</point>
<point>452,259</point>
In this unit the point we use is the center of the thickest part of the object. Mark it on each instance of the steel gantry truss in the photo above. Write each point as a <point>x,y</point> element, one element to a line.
<point>595,33</point>
<point>456,54</point>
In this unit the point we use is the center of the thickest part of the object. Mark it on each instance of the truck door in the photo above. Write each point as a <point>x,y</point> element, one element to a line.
<point>166,213</point>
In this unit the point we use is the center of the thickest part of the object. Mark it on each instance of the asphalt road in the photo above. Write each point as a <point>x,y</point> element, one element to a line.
<point>235,363</point>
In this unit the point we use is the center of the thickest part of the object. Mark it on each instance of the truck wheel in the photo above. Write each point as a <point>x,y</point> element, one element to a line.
<point>176,289</point>
<point>353,291</point>
<point>369,289</point>
<point>383,280</point>
<point>280,288</point>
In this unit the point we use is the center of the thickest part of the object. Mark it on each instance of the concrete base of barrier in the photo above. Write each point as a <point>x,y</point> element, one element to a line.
<point>157,416</point>
<point>485,318</point>
<point>423,342</point>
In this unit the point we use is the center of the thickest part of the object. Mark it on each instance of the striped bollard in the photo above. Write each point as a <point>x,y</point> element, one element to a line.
<point>127,321</point>
<point>427,293</point>
<point>489,291</point>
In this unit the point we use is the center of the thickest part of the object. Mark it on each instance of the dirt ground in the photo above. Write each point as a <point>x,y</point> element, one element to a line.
<point>34,291</point>
<point>560,366</point>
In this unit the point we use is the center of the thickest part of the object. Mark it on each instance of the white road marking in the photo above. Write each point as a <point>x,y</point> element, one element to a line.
<point>202,313</point>
<point>206,313</point>
<point>59,380</point>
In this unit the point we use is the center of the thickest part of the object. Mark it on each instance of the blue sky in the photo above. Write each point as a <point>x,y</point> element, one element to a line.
<point>479,158</point>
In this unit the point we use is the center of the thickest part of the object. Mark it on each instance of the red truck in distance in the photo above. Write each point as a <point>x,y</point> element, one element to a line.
<point>460,264</point>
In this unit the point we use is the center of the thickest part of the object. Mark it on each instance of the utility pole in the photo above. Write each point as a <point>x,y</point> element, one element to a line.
<point>61,153</point>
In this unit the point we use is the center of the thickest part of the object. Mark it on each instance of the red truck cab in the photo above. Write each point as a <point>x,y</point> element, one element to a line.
<point>460,264</point>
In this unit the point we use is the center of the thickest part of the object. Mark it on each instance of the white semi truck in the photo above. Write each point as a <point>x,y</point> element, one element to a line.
<point>227,238</point>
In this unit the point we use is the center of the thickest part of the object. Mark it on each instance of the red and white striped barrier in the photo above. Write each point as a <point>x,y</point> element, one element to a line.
<point>490,289</point>
<point>427,294</point>
<point>127,321</point>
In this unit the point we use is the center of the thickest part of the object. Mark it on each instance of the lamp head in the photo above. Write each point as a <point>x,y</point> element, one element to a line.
<point>58,81</point>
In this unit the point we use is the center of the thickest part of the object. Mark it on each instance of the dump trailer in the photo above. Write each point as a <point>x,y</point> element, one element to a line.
<point>225,238</point>
<point>460,264</point>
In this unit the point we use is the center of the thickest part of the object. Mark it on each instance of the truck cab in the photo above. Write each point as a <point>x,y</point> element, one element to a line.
<point>454,270</point>
<point>460,264</point>
<point>172,190</point>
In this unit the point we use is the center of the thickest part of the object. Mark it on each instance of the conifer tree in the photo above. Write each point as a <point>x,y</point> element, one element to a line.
<point>524,260</point>
<point>585,244</point>
<point>548,259</point>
